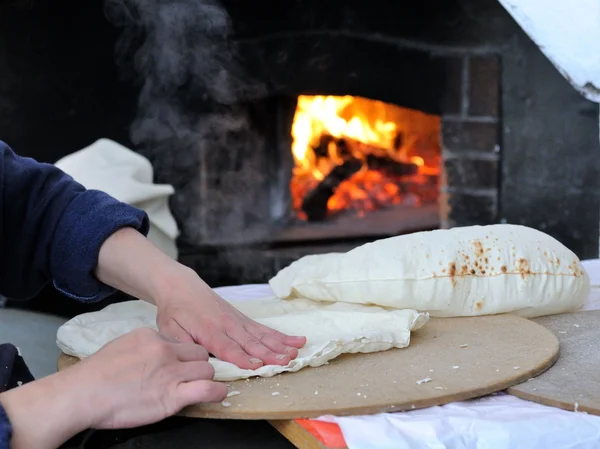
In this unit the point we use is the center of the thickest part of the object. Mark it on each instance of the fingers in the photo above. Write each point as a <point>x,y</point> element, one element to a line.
<point>190,371</point>
<point>296,342</point>
<point>277,346</point>
<point>188,393</point>
<point>254,346</point>
<point>288,340</point>
<point>229,350</point>
<point>191,352</point>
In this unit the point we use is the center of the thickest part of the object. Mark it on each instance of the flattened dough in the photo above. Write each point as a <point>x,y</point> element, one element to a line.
<point>331,329</point>
<point>465,271</point>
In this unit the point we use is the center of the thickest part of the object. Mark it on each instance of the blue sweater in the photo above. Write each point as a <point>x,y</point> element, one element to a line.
<point>51,230</point>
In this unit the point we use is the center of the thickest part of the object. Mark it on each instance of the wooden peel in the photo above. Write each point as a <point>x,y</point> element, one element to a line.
<point>448,360</point>
<point>573,383</point>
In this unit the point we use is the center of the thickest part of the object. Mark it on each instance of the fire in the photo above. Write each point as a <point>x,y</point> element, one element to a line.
<point>359,154</point>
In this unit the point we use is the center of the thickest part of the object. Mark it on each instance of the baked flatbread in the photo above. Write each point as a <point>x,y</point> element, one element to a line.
<point>331,329</point>
<point>465,271</point>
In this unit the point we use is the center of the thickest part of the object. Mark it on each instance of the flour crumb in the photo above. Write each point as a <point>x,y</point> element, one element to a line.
<point>438,388</point>
<point>316,393</point>
<point>516,367</point>
<point>455,367</point>
<point>576,325</point>
<point>275,393</point>
<point>424,381</point>
<point>357,394</point>
<point>431,371</point>
<point>233,393</point>
<point>463,346</point>
<point>561,332</point>
<point>393,381</point>
<point>576,409</point>
<point>226,404</point>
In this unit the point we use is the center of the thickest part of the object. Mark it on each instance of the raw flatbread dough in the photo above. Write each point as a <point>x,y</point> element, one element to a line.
<point>465,271</point>
<point>331,329</point>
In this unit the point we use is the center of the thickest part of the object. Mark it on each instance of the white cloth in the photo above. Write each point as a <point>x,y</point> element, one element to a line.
<point>499,421</point>
<point>127,176</point>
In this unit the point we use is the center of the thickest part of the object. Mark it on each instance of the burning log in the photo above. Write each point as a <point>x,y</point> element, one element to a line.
<point>315,202</point>
<point>390,167</point>
<point>322,149</point>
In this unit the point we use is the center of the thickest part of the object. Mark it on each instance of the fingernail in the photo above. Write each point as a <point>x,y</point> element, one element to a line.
<point>254,360</point>
<point>282,356</point>
<point>289,349</point>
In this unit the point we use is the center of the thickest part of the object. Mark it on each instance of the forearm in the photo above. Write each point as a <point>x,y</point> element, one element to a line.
<point>131,263</point>
<point>46,413</point>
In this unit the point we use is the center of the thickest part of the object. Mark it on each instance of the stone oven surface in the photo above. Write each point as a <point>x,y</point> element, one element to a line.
<point>519,144</point>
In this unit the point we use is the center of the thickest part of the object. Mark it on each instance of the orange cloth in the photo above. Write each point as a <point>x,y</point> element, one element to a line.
<point>328,434</point>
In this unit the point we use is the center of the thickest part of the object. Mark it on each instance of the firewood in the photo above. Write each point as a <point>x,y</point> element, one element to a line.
<point>314,204</point>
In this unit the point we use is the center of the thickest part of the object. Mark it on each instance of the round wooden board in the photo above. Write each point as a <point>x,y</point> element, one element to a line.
<point>500,351</point>
<point>573,383</point>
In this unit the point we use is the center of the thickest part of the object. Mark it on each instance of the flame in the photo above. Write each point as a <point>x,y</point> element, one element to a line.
<point>328,131</point>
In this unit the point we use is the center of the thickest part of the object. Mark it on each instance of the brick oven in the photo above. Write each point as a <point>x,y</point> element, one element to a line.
<point>298,127</point>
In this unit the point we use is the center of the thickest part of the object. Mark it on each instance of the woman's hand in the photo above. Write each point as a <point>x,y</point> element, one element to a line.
<point>194,312</point>
<point>145,377</point>
<point>188,309</point>
<point>137,379</point>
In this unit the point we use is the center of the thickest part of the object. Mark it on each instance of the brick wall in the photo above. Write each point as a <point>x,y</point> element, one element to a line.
<point>470,141</point>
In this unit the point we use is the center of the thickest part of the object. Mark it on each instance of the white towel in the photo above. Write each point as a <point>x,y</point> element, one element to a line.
<point>127,176</point>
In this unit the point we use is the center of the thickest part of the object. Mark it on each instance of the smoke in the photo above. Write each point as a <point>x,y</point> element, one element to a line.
<point>190,120</point>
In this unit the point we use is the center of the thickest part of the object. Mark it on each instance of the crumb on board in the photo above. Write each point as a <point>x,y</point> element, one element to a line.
<point>516,367</point>
<point>316,392</point>
<point>463,346</point>
<point>226,404</point>
<point>275,393</point>
<point>233,393</point>
<point>424,381</point>
<point>438,388</point>
<point>455,367</point>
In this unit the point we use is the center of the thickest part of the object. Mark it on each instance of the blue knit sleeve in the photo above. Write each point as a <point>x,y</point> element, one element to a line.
<point>51,229</point>
<point>5,430</point>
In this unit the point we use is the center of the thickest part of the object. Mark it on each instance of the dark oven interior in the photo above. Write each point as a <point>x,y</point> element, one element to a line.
<point>298,127</point>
